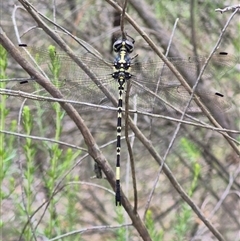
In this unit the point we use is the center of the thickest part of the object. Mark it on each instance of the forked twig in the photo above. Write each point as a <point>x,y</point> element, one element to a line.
<point>176,72</point>
<point>93,149</point>
<point>230,8</point>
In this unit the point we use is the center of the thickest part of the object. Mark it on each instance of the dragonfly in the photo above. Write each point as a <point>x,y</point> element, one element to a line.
<point>152,82</point>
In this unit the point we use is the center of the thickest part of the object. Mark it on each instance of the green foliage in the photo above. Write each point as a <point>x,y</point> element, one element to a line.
<point>190,149</point>
<point>3,113</point>
<point>44,164</point>
<point>5,154</point>
<point>183,220</point>
<point>3,66</point>
<point>150,224</point>
<point>3,62</point>
<point>120,233</point>
<point>29,172</point>
<point>59,161</point>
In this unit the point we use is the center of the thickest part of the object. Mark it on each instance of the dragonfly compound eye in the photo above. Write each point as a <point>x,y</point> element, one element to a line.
<point>129,46</point>
<point>120,43</point>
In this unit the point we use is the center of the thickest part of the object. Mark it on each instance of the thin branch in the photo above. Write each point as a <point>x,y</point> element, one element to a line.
<point>40,138</point>
<point>230,8</point>
<point>160,168</point>
<point>129,146</point>
<point>122,18</point>
<point>176,72</point>
<point>84,230</point>
<point>89,140</point>
<point>197,122</point>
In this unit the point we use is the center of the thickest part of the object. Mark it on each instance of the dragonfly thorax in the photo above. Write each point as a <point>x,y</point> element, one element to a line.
<point>122,62</point>
<point>119,65</point>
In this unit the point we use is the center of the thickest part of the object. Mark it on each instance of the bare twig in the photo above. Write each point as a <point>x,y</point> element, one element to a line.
<point>129,146</point>
<point>89,140</point>
<point>40,138</point>
<point>177,74</point>
<point>230,8</point>
<point>160,168</point>
<point>122,18</point>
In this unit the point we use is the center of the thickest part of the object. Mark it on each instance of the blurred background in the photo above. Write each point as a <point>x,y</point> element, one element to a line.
<point>55,183</point>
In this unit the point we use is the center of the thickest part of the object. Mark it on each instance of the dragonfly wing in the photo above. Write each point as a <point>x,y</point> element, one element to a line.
<point>156,83</point>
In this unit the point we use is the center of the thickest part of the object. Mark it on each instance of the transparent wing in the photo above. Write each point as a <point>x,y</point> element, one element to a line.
<point>151,81</point>
<point>72,81</point>
<point>154,81</point>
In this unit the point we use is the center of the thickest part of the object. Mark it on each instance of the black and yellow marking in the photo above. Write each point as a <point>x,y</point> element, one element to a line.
<point>122,65</point>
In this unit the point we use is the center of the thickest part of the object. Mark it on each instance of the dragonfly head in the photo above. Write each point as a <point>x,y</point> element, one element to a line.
<point>123,43</point>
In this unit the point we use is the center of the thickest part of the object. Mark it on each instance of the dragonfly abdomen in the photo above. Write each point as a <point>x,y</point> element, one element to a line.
<point>121,74</point>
